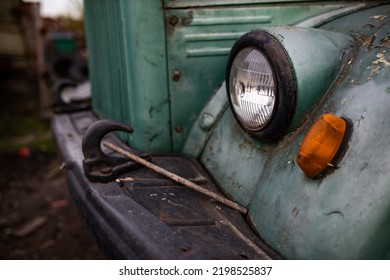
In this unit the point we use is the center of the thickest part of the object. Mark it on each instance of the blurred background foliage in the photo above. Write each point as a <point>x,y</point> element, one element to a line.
<point>24,88</point>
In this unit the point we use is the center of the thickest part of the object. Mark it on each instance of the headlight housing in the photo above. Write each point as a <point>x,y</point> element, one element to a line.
<point>260,85</point>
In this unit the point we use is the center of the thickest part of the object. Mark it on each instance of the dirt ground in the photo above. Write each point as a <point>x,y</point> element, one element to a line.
<point>38,219</point>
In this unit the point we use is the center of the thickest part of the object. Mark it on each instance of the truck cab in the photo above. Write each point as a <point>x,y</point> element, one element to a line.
<point>280,107</point>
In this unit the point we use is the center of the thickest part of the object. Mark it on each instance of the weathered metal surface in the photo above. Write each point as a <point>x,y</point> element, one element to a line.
<point>331,15</point>
<point>209,226</point>
<point>175,177</point>
<point>316,58</point>
<point>160,89</point>
<point>234,159</point>
<point>156,68</point>
<point>202,128</point>
<point>126,48</point>
<point>144,215</point>
<point>200,3</point>
<point>344,215</point>
<point>198,42</point>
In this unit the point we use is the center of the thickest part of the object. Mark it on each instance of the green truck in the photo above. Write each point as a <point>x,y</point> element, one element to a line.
<point>278,109</point>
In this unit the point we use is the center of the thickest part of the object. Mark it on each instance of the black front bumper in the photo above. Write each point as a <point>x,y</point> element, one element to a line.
<point>150,216</point>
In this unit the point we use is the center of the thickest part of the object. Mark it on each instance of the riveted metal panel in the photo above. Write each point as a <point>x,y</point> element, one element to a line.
<point>155,69</point>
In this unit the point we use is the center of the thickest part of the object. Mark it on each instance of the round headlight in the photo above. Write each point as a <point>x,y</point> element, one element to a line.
<point>260,85</point>
<point>252,88</point>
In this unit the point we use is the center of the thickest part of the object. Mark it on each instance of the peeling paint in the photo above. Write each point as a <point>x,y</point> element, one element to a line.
<point>359,120</point>
<point>385,42</point>
<point>378,64</point>
<point>381,59</point>
<point>369,42</point>
<point>379,17</point>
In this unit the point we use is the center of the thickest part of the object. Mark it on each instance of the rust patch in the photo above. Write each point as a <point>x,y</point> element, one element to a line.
<point>369,25</point>
<point>295,212</point>
<point>188,20</point>
<point>369,42</point>
<point>173,20</point>
<point>385,43</point>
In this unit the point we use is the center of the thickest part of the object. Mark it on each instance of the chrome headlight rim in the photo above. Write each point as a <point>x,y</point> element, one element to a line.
<point>284,78</point>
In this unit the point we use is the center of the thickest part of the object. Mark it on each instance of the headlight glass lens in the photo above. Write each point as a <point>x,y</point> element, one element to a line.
<point>252,88</point>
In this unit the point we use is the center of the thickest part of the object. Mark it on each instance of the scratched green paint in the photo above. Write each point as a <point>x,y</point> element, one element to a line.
<point>135,50</point>
<point>125,41</point>
<point>198,44</point>
<point>132,61</point>
<point>346,214</point>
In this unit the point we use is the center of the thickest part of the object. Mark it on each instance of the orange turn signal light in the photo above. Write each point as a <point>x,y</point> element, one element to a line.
<point>321,144</point>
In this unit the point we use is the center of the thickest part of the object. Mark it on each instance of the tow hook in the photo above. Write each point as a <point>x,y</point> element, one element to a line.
<point>99,166</point>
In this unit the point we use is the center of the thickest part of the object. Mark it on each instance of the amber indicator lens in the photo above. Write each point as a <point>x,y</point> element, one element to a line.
<point>321,144</point>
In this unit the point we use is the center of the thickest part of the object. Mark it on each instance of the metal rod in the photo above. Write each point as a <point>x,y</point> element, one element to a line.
<point>176,178</point>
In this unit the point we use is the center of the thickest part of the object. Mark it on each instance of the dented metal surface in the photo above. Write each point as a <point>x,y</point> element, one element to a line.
<point>344,215</point>
<point>163,91</point>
